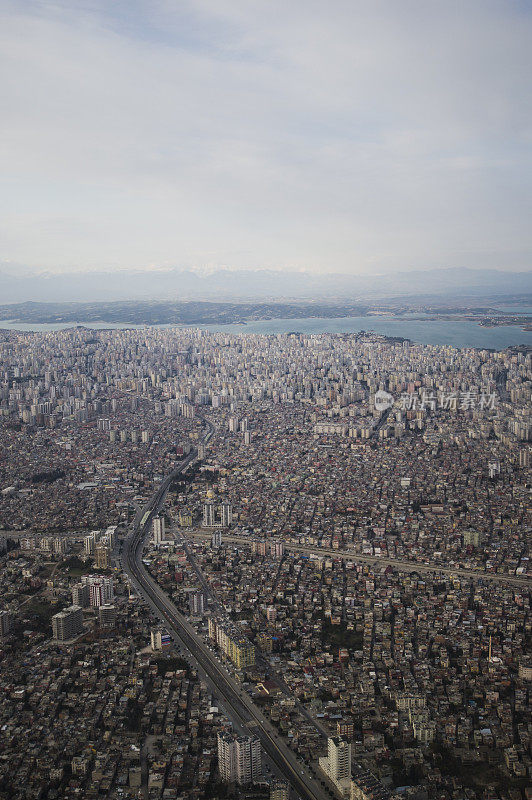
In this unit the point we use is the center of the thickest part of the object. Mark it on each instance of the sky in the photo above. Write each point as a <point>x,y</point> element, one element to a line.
<point>351,136</point>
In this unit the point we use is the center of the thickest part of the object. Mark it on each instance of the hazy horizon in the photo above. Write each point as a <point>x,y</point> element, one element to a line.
<point>358,138</point>
<point>6,268</point>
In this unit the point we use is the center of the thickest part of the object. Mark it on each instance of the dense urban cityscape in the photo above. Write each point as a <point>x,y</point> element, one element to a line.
<point>263,567</point>
<point>265,400</point>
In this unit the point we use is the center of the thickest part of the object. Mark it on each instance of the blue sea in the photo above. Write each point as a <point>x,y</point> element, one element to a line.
<point>459,333</point>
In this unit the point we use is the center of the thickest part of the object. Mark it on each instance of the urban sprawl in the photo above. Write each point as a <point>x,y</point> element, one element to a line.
<point>240,566</point>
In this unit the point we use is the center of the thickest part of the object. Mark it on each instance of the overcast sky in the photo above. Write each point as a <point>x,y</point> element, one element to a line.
<point>341,136</point>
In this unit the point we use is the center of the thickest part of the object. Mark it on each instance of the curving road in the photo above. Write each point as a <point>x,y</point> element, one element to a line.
<point>244,713</point>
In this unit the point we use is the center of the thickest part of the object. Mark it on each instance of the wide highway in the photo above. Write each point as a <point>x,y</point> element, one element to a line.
<point>243,712</point>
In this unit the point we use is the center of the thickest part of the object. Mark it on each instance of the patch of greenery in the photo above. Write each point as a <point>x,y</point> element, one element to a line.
<point>39,613</point>
<point>339,636</point>
<point>76,567</point>
<point>73,565</point>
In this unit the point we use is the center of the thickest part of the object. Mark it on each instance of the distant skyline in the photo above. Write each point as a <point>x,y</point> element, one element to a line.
<point>347,137</point>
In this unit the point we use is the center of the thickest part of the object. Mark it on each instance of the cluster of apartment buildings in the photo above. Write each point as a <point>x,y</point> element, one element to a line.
<point>232,642</point>
<point>77,706</point>
<point>383,656</point>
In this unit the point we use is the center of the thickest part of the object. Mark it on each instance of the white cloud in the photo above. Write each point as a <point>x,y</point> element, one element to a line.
<point>342,136</point>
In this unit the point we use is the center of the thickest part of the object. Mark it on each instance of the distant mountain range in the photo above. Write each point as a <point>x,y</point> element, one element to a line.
<point>18,286</point>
